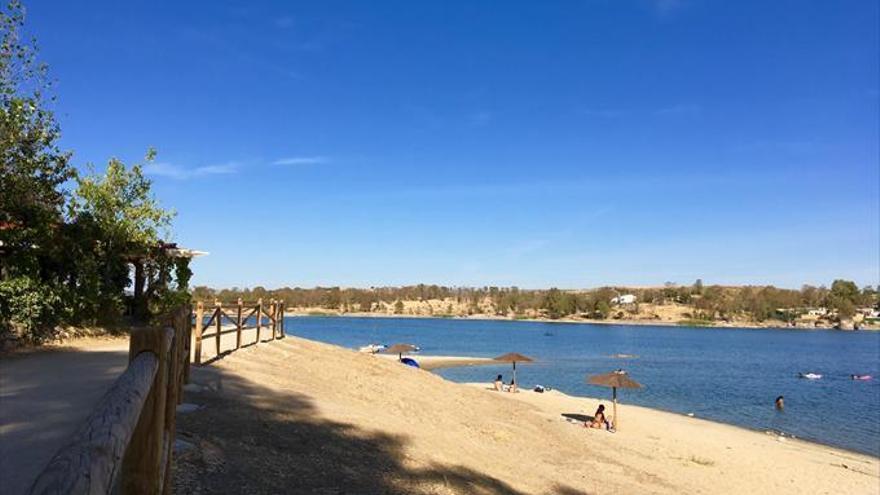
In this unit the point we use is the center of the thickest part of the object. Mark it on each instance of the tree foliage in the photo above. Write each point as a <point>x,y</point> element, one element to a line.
<point>64,255</point>
<point>32,166</point>
<point>715,302</point>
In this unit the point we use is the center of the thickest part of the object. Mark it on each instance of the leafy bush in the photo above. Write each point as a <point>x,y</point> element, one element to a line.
<point>28,309</point>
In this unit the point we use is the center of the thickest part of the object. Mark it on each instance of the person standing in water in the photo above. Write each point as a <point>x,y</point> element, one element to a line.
<point>780,403</point>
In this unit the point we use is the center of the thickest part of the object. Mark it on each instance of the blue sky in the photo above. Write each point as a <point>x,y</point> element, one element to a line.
<point>570,144</point>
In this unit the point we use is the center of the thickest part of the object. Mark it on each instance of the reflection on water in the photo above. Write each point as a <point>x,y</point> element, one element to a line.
<point>730,375</point>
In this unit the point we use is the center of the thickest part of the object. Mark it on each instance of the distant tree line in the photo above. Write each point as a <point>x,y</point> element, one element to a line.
<point>67,239</point>
<point>708,303</point>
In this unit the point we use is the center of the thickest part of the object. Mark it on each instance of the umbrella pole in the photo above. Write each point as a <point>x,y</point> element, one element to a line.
<point>615,423</point>
<point>514,373</point>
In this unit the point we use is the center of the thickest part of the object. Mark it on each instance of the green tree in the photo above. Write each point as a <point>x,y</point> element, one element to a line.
<point>602,309</point>
<point>32,165</point>
<point>552,303</point>
<point>843,297</point>
<point>32,170</point>
<point>119,219</point>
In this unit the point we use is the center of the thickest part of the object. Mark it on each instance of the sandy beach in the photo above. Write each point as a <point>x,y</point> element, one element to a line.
<point>439,362</point>
<point>300,416</point>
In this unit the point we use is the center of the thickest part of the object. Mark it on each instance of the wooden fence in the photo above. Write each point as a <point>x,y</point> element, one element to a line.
<point>238,315</point>
<point>127,442</point>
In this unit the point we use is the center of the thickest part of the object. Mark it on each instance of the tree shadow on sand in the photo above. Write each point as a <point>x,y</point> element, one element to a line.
<point>251,439</point>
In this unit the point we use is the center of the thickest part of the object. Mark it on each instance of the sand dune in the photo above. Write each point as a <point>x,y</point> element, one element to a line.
<point>298,416</point>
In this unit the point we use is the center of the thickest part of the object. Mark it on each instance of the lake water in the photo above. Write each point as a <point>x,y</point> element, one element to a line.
<point>728,375</point>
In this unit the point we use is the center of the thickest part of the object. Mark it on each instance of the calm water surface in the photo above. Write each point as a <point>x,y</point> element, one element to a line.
<point>729,375</point>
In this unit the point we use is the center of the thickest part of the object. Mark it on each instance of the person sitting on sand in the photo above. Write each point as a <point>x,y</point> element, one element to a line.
<point>512,386</point>
<point>499,383</point>
<point>599,419</point>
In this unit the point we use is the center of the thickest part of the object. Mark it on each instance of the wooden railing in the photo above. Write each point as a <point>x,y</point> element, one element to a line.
<point>126,444</point>
<point>238,315</point>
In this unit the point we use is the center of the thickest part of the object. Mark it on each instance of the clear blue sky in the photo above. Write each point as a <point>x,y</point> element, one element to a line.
<point>570,144</point>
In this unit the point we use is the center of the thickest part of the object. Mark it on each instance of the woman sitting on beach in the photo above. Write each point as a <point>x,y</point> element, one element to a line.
<point>512,386</point>
<point>599,420</point>
<point>499,384</point>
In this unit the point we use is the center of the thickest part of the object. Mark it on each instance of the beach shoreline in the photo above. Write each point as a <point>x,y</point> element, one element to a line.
<point>589,401</point>
<point>581,321</point>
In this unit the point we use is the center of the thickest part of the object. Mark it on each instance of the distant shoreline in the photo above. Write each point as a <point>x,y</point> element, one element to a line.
<point>580,321</point>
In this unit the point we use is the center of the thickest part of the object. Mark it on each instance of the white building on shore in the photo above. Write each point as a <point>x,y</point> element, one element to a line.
<point>624,299</point>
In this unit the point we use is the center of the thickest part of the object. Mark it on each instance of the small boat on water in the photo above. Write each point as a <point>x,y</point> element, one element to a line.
<point>810,376</point>
<point>860,377</point>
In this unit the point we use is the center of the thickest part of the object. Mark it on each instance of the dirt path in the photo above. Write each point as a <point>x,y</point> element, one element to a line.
<point>44,397</point>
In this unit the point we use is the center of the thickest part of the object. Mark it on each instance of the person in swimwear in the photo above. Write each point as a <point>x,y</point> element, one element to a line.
<point>599,419</point>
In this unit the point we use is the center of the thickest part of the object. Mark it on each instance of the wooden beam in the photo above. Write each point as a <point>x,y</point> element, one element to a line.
<point>174,397</point>
<point>253,311</point>
<point>210,321</point>
<point>238,325</point>
<point>144,462</point>
<point>218,311</point>
<point>272,319</point>
<point>186,326</point>
<point>92,460</point>
<point>200,315</point>
<point>259,318</point>
<point>282,320</point>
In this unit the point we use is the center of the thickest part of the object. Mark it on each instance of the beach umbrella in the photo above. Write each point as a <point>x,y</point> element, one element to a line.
<point>400,349</point>
<point>513,357</point>
<point>615,379</point>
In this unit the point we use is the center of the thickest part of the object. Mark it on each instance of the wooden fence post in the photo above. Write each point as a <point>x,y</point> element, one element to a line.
<point>276,312</point>
<point>200,321</point>
<point>273,318</point>
<point>186,315</point>
<point>178,348</point>
<point>174,397</point>
<point>259,317</point>
<point>146,457</point>
<point>218,313</point>
<point>282,320</point>
<point>238,325</point>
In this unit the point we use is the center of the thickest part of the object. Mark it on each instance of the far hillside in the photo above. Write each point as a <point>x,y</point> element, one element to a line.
<point>843,305</point>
